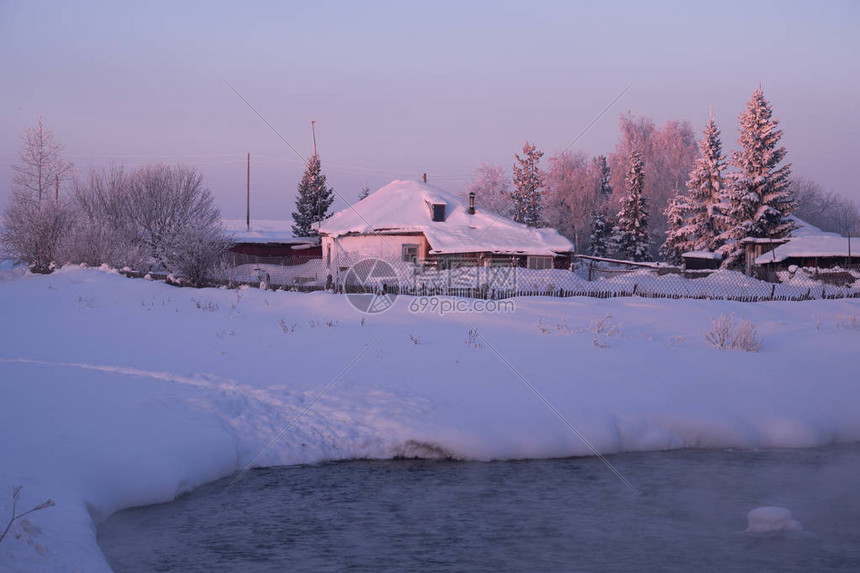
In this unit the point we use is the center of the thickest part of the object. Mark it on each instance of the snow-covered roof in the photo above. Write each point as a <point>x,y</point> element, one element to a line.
<point>404,207</point>
<point>264,231</point>
<point>702,255</point>
<point>763,240</point>
<point>825,245</point>
<point>808,241</point>
<point>804,229</point>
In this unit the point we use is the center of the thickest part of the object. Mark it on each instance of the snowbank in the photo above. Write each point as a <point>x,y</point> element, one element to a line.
<point>771,520</point>
<point>117,392</point>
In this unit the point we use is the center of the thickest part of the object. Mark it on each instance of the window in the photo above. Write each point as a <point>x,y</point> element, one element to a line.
<point>410,253</point>
<point>540,263</point>
<point>438,212</point>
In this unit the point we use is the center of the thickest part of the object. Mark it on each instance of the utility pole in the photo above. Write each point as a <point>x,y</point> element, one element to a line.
<point>248,196</point>
<point>314,132</point>
<point>319,206</point>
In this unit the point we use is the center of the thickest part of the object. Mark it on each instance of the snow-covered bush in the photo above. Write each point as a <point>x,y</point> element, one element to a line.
<point>176,221</point>
<point>35,233</point>
<point>727,334</point>
<point>157,214</point>
<point>103,232</point>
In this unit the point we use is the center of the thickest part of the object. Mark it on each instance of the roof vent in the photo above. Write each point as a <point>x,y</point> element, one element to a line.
<point>471,202</point>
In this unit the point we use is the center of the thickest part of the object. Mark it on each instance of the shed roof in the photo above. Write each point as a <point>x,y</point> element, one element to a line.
<point>265,231</point>
<point>808,241</point>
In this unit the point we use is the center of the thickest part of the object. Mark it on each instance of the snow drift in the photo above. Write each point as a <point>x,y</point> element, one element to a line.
<point>118,392</point>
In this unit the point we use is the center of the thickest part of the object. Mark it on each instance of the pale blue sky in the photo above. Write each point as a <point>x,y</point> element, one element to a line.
<point>400,88</point>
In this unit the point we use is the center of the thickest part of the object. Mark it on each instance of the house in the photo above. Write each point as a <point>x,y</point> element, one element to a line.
<point>270,240</point>
<point>808,247</point>
<point>419,223</point>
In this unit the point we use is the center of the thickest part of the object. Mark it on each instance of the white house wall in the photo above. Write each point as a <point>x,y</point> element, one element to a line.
<point>346,250</point>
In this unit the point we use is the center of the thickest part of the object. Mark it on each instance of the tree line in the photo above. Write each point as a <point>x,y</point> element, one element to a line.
<point>662,193</point>
<point>153,216</point>
<point>659,194</point>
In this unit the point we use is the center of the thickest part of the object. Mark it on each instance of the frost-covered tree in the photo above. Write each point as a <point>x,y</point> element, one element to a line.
<point>569,196</point>
<point>313,201</point>
<point>760,199</point>
<point>679,237</point>
<point>707,192</point>
<point>528,187</point>
<point>668,152</point>
<point>365,191</point>
<point>631,230</point>
<point>103,232</point>
<point>827,210</point>
<point>174,219</point>
<point>42,168</point>
<point>600,239</point>
<point>492,189</point>
<point>35,234</point>
<point>36,220</point>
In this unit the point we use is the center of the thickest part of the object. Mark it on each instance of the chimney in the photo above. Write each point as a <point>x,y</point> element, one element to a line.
<point>425,178</point>
<point>471,202</point>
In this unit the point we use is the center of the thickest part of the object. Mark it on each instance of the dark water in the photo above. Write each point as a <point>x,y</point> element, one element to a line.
<point>551,515</point>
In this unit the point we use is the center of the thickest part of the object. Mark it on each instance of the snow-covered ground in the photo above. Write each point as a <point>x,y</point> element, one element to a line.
<point>117,392</point>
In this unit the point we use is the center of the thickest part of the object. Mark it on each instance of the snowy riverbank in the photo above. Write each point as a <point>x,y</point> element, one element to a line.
<point>118,392</point>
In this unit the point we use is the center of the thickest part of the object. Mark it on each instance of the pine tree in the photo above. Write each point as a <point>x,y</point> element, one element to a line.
<point>528,187</point>
<point>365,191</point>
<point>707,193</point>
<point>760,199</point>
<point>313,201</point>
<point>679,236</point>
<point>631,231</point>
<point>600,239</point>
<point>603,186</point>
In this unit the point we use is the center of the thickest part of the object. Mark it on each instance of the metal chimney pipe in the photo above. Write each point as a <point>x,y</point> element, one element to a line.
<point>471,202</point>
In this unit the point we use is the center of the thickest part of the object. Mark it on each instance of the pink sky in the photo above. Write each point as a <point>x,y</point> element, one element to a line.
<point>398,90</point>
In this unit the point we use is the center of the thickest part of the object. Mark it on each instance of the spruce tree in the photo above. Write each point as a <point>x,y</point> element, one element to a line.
<point>365,191</point>
<point>760,199</point>
<point>631,231</point>
<point>679,236</point>
<point>707,192</point>
<point>528,186</point>
<point>313,200</point>
<point>603,186</point>
<point>600,239</point>
<point>696,220</point>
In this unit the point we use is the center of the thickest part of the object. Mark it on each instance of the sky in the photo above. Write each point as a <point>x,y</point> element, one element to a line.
<point>398,89</point>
